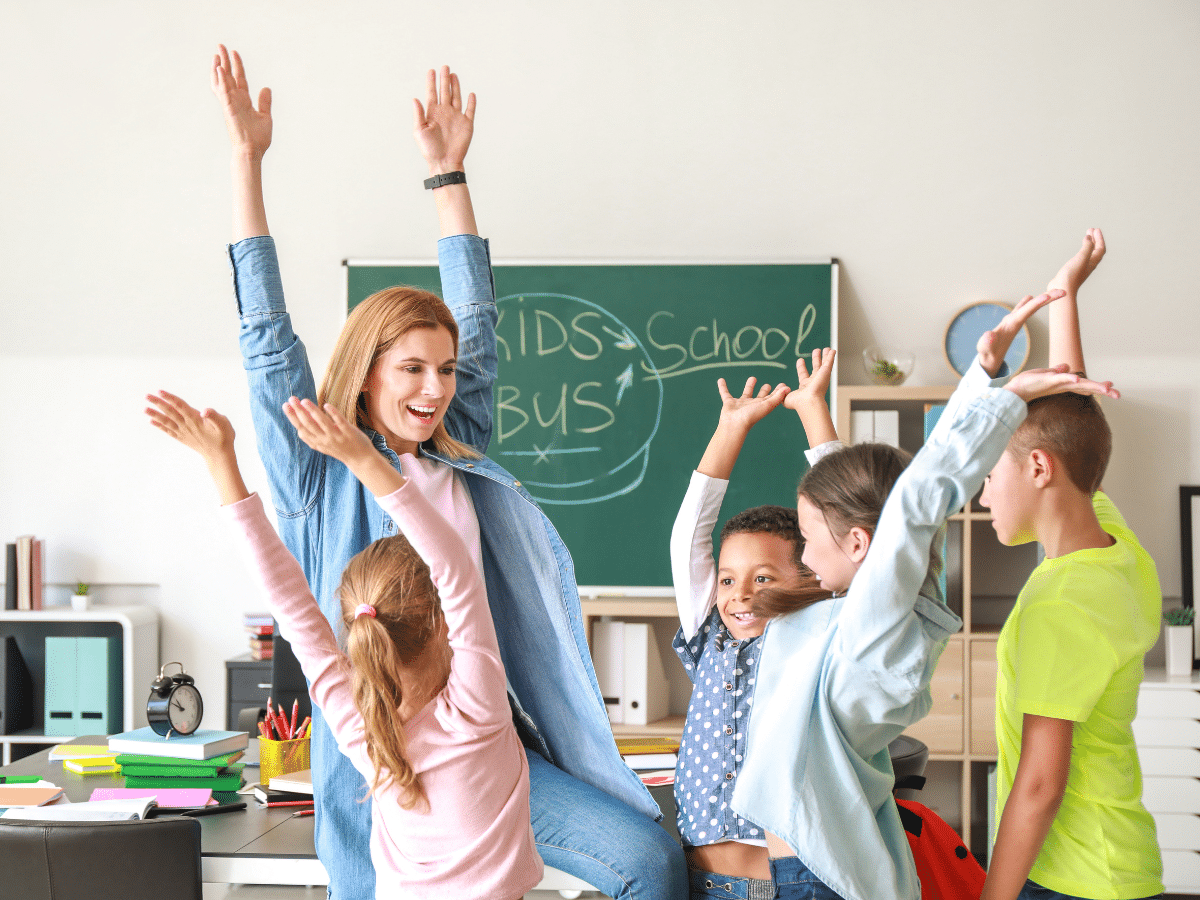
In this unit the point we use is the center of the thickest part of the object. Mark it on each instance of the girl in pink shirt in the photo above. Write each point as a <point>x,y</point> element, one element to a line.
<point>418,700</point>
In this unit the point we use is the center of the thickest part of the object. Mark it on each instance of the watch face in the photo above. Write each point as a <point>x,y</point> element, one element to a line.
<point>185,709</point>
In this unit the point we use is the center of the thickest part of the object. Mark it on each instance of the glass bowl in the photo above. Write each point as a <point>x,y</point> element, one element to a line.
<point>885,366</point>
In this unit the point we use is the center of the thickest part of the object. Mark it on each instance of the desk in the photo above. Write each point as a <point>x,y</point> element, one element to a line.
<point>254,846</point>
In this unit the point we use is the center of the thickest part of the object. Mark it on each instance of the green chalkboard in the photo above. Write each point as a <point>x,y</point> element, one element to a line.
<point>606,395</point>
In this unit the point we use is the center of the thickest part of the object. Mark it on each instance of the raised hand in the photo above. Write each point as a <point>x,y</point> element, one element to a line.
<point>751,407</point>
<point>441,126</point>
<point>208,433</point>
<point>812,388</point>
<point>326,431</point>
<point>249,128</point>
<point>994,344</point>
<point>1034,383</point>
<point>1076,270</point>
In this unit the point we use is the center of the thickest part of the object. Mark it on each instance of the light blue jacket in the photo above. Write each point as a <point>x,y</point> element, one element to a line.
<point>326,516</point>
<point>838,681</point>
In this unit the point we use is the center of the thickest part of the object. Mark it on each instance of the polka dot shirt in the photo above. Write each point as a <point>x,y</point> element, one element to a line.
<point>722,670</point>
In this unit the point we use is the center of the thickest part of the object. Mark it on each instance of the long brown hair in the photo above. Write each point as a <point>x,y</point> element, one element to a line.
<point>850,486</point>
<point>370,331</point>
<point>390,576</point>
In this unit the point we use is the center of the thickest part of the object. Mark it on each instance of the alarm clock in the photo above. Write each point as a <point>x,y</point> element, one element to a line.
<point>175,704</point>
<point>969,324</point>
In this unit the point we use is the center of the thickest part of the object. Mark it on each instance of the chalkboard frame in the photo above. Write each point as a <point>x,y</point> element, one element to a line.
<point>611,588</point>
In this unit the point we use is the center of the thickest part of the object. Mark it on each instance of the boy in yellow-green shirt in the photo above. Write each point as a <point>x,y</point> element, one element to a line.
<point>1069,787</point>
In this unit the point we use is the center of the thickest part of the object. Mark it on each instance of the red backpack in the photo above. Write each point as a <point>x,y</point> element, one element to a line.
<point>948,871</point>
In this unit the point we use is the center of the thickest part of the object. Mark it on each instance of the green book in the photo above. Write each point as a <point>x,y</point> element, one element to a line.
<point>215,763</point>
<point>139,771</point>
<point>229,782</point>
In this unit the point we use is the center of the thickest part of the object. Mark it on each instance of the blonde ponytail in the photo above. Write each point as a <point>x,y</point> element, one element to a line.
<point>391,577</point>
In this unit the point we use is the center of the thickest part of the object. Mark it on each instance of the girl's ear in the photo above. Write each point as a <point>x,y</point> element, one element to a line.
<point>857,543</point>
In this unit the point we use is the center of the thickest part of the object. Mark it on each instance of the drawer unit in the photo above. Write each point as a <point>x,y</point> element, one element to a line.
<point>1167,732</point>
<point>247,685</point>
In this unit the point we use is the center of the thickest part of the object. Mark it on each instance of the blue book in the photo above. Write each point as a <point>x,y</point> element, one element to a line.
<point>202,744</point>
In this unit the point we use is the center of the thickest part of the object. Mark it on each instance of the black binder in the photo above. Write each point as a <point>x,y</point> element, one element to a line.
<point>16,689</point>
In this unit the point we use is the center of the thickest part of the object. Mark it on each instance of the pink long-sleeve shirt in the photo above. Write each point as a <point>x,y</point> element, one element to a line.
<point>475,839</point>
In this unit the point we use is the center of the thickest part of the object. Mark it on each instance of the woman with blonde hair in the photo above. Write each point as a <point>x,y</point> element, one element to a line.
<point>416,375</point>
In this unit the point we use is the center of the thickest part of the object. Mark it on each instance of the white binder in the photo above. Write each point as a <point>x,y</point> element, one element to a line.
<point>630,672</point>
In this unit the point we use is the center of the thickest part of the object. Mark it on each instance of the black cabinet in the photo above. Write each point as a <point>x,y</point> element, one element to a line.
<point>247,685</point>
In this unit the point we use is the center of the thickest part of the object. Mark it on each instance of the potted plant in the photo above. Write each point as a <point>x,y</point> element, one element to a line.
<point>80,599</point>
<point>1179,639</point>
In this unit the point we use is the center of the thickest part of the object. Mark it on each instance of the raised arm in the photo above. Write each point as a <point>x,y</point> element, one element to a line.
<point>208,433</point>
<point>808,399</point>
<point>1066,344</point>
<point>693,569</point>
<point>443,130</point>
<point>325,431</point>
<point>738,416</point>
<point>249,137</point>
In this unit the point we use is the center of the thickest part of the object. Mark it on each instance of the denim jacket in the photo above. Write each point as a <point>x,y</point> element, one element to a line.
<point>841,679</point>
<point>325,515</point>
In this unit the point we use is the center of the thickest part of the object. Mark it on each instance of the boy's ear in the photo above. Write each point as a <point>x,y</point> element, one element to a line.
<point>1042,467</point>
<point>858,542</point>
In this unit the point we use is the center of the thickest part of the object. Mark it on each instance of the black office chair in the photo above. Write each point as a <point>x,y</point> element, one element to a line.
<point>909,757</point>
<point>151,859</point>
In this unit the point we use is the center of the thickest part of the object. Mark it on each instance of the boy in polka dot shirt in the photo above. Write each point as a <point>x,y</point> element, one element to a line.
<point>722,612</point>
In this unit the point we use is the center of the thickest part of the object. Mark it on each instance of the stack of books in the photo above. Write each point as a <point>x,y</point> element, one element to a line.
<point>262,634</point>
<point>24,573</point>
<point>86,759</point>
<point>647,754</point>
<point>203,759</point>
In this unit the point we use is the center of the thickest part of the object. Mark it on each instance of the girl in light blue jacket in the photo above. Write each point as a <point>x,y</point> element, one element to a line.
<point>839,680</point>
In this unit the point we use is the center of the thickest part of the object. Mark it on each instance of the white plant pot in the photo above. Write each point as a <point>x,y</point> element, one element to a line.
<point>1179,649</point>
<point>80,602</point>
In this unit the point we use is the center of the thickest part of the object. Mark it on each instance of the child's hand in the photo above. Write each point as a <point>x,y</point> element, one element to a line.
<point>1077,269</point>
<point>249,128</point>
<point>442,129</point>
<point>994,344</point>
<point>326,431</point>
<point>811,388</point>
<point>750,408</point>
<point>208,433</point>
<point>1034,383</point>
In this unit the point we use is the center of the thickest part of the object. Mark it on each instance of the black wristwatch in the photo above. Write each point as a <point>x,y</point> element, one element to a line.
<point>445,178</point>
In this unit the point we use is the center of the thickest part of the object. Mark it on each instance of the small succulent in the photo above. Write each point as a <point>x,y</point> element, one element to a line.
<point>887,370</point>
<point>81,589</point>
<point>1185,615</point>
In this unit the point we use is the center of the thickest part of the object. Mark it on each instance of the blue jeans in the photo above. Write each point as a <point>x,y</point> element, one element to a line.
<point>586,833</point>
<point>793,881</point>
<point>707,885</point>
<point>1034,891</point>
<point>578,829</point>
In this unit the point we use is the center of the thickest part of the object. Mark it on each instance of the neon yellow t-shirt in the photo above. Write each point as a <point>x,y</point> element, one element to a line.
<point>1072,648</point>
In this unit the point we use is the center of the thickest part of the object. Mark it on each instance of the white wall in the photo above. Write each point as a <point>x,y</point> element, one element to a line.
<point>945,151</point>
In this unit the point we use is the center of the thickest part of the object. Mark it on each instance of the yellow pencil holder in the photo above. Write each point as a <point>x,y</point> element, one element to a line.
<point>281,758</point>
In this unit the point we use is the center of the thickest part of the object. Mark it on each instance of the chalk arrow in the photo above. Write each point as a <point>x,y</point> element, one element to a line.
<point>624,380</point>
<point>625,340</point>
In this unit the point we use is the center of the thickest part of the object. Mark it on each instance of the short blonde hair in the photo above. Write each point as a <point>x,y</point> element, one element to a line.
<point>370,331</point>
